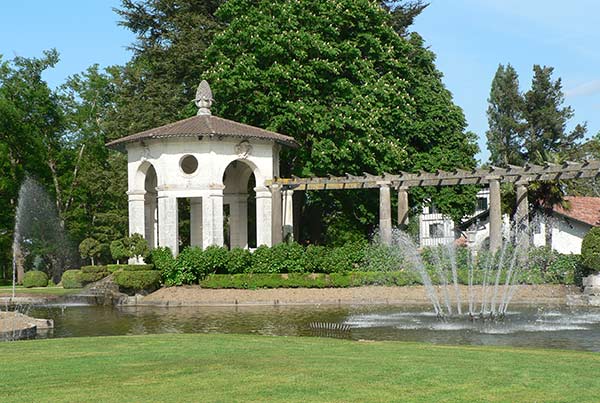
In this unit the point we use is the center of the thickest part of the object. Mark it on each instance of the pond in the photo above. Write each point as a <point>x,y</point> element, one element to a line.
<point>557,327</point>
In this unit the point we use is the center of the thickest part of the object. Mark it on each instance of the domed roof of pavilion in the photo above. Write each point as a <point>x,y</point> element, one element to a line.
<point>205,124</point>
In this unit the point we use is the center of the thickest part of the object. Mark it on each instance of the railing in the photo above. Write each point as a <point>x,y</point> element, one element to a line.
<point>427,241</point>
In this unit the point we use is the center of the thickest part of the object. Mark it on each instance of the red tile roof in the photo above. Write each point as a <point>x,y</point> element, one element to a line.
<point>584,209</point>
<point>206,125</point>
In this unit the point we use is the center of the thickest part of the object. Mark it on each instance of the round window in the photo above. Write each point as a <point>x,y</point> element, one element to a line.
<point>189,164</point>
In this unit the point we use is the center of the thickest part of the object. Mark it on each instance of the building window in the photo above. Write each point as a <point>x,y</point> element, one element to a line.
<point>436,230</point>
<point>482,203</point>
<point>433,209</point>
<point>188,164</point>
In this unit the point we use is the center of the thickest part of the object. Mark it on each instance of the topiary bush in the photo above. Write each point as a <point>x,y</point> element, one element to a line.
<point>90,248</point>
<point>118,250</point>
<point>139,280</point>
<point>72,279</point>
<point>590,250</point>
<point>35,278</point>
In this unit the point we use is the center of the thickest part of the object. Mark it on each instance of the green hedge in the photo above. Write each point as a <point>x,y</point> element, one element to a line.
<point>35,278</point>
<point>72,279</point>
<point>194,264</point>
<point>304,280</point>
<point>138,280</point>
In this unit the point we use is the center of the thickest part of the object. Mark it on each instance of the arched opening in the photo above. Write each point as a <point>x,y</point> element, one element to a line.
<point>151,207</point>
<point>239,205</point>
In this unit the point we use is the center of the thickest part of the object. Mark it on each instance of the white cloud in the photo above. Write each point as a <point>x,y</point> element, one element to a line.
<point>585,89</point>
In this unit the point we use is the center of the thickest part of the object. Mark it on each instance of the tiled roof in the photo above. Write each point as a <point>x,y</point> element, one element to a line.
<point>206,125</point>
<point>584,209</point>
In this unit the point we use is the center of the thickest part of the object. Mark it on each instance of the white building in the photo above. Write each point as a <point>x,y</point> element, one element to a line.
<point>209,162</point>
<point>568,226</point>
<point>435,229</point>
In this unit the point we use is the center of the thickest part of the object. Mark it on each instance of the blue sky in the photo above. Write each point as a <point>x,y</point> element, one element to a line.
<point>469,37</point>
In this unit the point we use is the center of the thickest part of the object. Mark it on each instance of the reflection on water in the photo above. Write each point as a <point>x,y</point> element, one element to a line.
<point>526,327</point>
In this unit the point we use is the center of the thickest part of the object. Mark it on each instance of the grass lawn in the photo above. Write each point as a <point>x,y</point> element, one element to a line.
<point>6,291</point>
<point>229,368</point>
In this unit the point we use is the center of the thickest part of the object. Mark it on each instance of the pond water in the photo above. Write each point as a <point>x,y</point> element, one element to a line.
<point>558,327</point>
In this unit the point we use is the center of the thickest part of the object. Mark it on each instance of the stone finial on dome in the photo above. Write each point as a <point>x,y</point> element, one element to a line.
<point>204,98</point>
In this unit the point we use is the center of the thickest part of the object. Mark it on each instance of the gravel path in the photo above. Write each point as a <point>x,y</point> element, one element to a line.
<point>194,295</point>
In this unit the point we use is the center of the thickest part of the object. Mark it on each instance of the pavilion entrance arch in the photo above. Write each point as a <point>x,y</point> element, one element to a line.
<point>143,203</point>
<point>241,228</point>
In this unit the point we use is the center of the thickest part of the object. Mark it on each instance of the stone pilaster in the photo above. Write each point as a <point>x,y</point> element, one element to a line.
<point>263,216</point>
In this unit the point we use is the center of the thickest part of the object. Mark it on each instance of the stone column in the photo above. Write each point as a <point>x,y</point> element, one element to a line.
<point>238,220</point>
<point>277,213</point>
<point>168,223</point>
<point>402,207</point>
<point>495,215</point>
<point>263,216</point>
<point>212,218</point>
<point>151,219</point>
<point>137,217</point>
<point>522,213</point>
<point>385,214</point>
<point>288,214</point>
<point>196,221</point>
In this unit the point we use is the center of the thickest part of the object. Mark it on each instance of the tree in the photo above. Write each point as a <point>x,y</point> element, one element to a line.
<point>531,128</point>
<point>171,37</point>
<point>136,246</point>
<point>118,250</point>
<point>505,118</point>
<point>90,248</point>
<point>356,96</point>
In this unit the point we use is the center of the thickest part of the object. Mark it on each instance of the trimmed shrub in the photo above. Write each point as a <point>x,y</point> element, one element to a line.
<point>90,248</point>
<point>94,269</point>
<point>35,278</point>
<point>92,277</point>
<point>139,280</point>
<point>118,250</point>
<point>262,261</point>
<point>72,279</point>
<point>111,268</point>
<point>136,246</point>
<point>137,267</point>
<point>590,250</point>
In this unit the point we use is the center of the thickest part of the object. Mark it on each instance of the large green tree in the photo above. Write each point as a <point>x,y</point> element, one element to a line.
<point>546,118</point>
<point>505,118</point>
<point>157,84</point>
<point>356,95</point>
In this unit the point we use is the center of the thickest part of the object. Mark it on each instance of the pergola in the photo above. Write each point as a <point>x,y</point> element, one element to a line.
<point>492,177</point>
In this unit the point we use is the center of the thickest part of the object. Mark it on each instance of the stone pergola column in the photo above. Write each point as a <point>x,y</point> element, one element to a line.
<point>196,221</point>
<point>288,214</point>
<point>495,215</point>
<point>263,216</point>
<point>168,223</point>
<point>277,213</point>
<point>150,218</point>
<point>402,207</point>
<point>238,219</point>
<point>212,218</point>
<point>522,213</point>
<point>385,214</point>
<point>137,215</point>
